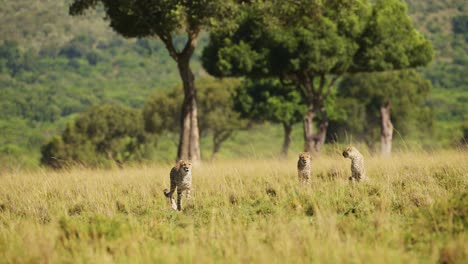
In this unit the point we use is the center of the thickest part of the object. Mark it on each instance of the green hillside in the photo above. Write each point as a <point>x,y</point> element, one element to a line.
<point>446,25</point>
<point>53,66</point>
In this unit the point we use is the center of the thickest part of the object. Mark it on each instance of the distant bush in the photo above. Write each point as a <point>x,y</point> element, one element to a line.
<point>460,24</point>
<point>102,135</point>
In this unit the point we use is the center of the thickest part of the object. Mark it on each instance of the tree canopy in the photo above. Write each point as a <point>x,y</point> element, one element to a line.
<point>310,44</point>
<point>269,100</point>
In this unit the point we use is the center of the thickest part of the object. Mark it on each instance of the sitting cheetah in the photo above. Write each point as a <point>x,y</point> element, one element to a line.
<point>303,167</point>
<point>181,178</point>
<point>358,171</point>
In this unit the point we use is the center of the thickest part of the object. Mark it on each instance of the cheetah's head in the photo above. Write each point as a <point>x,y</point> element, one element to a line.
<point>350,151</point>
<point>304,157</point>
<point>184,165</point>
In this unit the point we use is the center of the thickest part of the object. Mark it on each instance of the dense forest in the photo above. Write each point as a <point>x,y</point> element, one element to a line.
<point>54,66</point>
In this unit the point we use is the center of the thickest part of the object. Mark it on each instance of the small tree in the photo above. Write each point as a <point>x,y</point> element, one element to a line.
<point>310,45</point>
<point>463,141</point>
<point>377,96</point>
<point>103,133</point>
<point>269,100</point>
<point>164,19</point>
<point>217,118</point>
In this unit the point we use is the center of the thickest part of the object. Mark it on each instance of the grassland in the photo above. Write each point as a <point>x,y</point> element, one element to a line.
<point>414,210</point>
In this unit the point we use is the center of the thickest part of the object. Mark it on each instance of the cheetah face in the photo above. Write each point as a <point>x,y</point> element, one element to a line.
<point>304,157</point>
<point>348,152</point>
<point>185,165</point>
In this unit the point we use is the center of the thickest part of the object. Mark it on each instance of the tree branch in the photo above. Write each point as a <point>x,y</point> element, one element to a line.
<point>308,85</point>
<point>322,84</point>
<point>167,40</point>
<point>191,41</point>
<point>284,82</point>
<point>330,86</point>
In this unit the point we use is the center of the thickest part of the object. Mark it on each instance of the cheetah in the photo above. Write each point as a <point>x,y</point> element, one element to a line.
<point>358,172</point>
<point>181,178</point>
<point>303,167</point>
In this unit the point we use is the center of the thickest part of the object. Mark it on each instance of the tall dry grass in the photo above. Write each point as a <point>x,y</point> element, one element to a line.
<point>413,210</point>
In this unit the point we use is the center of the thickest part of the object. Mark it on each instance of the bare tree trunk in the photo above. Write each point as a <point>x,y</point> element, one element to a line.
<point>219,137</point>
<point>216,149</point>
<point>189,141</point>
<point>287,139</point>
<point>319,138</point>
<point>117,162</point>
<point>315,98</point>
<point>313,141</point>
<point>386,132</point>
<point>308,130</point>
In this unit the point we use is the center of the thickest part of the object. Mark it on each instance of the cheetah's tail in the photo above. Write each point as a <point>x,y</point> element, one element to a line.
<point>166,193</point>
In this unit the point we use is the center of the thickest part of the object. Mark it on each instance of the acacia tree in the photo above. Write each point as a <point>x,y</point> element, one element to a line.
<point>269,100</point>
<point>402,92</point>
<point>311,44</point>
<point>164,19</point>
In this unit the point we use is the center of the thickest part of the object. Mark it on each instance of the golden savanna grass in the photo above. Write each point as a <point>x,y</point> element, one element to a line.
<point>413,210</point>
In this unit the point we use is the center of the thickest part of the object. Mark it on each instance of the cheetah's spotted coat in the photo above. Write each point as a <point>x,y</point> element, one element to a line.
<point>304,168</point>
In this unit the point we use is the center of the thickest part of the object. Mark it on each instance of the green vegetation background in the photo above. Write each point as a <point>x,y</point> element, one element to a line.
<point>53,66</point>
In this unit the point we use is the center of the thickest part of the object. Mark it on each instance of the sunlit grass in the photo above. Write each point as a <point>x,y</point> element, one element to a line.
<point>413,210</point>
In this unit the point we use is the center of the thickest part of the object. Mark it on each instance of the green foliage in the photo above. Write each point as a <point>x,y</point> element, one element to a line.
<point>269,100</point>
<point>464,138</point>
<point>156,17</point>
<point>390,41</point>
<point>217,116</point>
<point>337,39</point>
<point>161,112</point>
<point>448,72</point>
<point>104,133</point>
<point>460,25</point>
<point>312,50</point>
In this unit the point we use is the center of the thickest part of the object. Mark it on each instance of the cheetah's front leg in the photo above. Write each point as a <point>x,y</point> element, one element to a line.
<point>180,194</point>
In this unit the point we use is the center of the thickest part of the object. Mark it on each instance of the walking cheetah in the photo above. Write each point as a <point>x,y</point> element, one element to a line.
<point>181,178</point>
<point>303,167</point>
<point>358,171</point>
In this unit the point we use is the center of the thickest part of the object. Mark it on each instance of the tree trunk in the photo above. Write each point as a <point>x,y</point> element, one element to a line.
<point>218,138</point>
<point>386,132</point>
<point>287,139</point>
<point>308,130</point>
<point>189,142</point>
<point>313,142</point>
<point>216,149</point>
<point>319,139</point>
